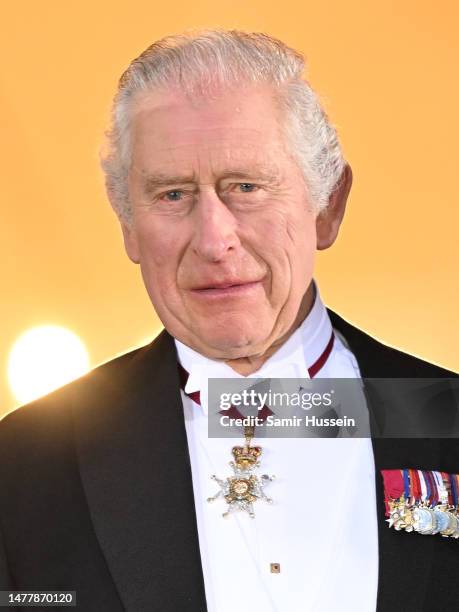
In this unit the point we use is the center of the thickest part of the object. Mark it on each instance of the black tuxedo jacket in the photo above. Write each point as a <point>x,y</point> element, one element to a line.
<point>96,492</point>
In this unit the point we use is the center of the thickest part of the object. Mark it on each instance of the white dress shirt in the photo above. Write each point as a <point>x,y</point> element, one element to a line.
<point>321,527</point>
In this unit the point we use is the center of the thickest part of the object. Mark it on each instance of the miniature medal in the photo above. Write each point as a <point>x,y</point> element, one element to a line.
<point>426,502</point>
<point>244,487</point>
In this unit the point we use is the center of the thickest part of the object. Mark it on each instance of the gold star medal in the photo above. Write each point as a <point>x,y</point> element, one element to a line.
<point>244,487</point>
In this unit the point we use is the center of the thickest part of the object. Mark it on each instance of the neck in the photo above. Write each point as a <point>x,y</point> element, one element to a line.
<point>252,363</point>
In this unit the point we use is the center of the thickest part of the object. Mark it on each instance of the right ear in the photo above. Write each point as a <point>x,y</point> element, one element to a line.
<point>130,241</point>
<point>127,226</point>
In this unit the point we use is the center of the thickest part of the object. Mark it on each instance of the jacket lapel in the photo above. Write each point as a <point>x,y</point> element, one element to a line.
<point>405,559</point>
<point>134,463</point>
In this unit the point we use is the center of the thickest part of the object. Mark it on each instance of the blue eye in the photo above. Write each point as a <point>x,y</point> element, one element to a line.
<point>173,196</point>
<point>247,187</point>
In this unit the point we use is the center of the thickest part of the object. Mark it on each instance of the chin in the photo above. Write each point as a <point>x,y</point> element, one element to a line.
<point>232,341</point>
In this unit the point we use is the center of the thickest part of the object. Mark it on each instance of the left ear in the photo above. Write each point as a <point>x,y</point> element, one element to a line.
<point>329,220</point>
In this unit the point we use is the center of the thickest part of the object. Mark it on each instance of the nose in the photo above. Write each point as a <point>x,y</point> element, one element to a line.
<point>215,228</point>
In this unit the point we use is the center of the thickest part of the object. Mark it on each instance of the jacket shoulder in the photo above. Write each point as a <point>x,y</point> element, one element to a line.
<point>49,414</point>
<point>379,360</point>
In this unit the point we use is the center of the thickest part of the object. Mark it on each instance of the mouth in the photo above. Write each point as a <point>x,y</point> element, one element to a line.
<point>226,290</point>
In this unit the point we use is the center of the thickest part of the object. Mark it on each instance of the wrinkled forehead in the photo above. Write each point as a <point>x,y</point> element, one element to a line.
<point>232,132</point>
<point>195,162</point>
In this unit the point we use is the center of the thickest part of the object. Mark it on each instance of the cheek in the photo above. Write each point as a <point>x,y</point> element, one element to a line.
<point>302,237</point>
<point>285,241</point>
<point>159,257</point>
<point>157,241</point>
<point>286,245</point>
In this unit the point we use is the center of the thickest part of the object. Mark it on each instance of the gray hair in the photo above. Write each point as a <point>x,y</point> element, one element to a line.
<point>198,61</point>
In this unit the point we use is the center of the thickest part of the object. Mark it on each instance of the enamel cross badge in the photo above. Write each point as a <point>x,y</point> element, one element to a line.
<point>244,487</point>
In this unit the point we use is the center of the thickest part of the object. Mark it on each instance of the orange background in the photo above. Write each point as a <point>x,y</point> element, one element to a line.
<point>388,75</point>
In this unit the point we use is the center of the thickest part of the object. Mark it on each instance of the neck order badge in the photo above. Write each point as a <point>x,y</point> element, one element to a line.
<point>244,487</point>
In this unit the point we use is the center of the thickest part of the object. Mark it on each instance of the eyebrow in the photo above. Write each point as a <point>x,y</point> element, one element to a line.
<point>160,180</point>
<point>156,181</point>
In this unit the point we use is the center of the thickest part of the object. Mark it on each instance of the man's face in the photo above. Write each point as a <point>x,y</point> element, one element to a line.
<point>222,226</point>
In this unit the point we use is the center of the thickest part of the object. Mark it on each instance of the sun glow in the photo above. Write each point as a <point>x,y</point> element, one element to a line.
<point>43,359</point>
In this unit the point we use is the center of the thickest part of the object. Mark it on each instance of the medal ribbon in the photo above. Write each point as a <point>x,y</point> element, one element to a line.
<point>394,486</point>
<point>416,486</point>
<point>447,486</point>
<point>454,489</point>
